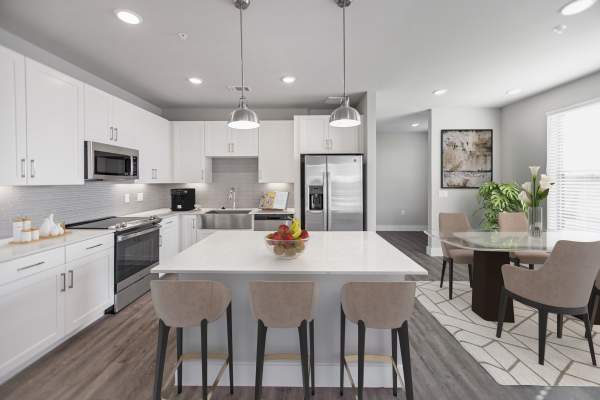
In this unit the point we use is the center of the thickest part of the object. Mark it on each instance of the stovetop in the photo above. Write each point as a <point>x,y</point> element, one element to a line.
<point>116,223</point>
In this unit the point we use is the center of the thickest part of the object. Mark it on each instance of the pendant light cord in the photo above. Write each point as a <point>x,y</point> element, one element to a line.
<point>242,53</point>
<point>344,47</point>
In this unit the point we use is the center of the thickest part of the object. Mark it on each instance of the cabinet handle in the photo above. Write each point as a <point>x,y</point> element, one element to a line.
<point>94,246</point>
<point>194,223</point>
<point>23,174</point>
<point>203,175</point>
<point>32,172</point>
<point>112,133</point>
<point>71,278</point>
<point>116,134</point>
<point>233,147</point>
<point>30,266</point>
<point>64,282</point>
<point>160,241</point>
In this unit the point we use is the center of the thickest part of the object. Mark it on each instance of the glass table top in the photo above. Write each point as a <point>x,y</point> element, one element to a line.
<point>512,241</point>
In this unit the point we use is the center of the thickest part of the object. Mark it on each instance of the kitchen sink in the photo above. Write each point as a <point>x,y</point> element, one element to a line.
<point>226,219</point>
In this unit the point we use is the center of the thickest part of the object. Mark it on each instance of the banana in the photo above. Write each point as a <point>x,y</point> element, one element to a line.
<point>295,228</point>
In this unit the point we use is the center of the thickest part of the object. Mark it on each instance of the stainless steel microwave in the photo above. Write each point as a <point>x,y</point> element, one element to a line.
<point>107,163</point>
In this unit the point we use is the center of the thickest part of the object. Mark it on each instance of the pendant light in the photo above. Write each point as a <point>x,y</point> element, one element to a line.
<point>242,117</point>
<point>344,116</point>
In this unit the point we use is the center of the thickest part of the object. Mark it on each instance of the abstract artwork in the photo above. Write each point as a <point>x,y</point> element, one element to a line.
<point>466,158</point>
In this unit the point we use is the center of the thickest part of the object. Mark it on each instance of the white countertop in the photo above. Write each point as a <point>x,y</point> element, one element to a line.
<point>167,212</point>
<point>360,253</point>
<point>10,252</point>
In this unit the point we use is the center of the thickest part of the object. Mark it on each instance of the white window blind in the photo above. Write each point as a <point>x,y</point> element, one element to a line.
<point>573,160</point>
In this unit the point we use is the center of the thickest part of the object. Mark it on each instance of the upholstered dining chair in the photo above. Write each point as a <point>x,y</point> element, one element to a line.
<point>562,286</point>
<point>517,222</point>
<point>449,224</point>
<point>595,299</point>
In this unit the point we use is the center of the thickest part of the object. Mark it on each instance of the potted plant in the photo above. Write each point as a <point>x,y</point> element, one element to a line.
<point>495,198</point>
<point>532,196</point>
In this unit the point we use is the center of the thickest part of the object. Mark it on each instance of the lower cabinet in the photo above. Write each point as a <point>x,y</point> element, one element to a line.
<point>189,224</point>
<point>169,238</point>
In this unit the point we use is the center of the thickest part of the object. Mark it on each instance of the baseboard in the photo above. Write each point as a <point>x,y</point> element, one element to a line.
<point>434,251</point>
<point>410,228</point>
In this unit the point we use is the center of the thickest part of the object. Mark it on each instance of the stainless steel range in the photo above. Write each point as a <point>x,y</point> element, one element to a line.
<point>136,252</point>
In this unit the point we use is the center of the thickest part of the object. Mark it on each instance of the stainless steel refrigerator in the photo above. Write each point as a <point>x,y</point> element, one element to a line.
<point>332,192</point>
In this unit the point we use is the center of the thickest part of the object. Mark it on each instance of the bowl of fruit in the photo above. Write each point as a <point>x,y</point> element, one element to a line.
<point>288,241</point>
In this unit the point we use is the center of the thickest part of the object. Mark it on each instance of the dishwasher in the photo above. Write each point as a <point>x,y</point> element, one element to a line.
<point>270,222</point>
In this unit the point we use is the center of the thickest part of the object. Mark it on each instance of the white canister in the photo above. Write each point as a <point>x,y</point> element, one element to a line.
<point>17,228</point>
<point>35,234</point>
<point>26,224</point>
<point>26,236</point>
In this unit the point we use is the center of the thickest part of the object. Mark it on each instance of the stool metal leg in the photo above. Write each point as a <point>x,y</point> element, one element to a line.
<point>204,340</point>
<point>304,358</point>
<point>230,347</point>
<point>405,353</point>
<point>179,353</point>
<point>342,348</point>
<point>395,359</point>
<point>260,358</point>
<point>361,358</point>
<point>450,276</point>
<point>559,325</point>
<point>161,350</point>
<point>311,330</point>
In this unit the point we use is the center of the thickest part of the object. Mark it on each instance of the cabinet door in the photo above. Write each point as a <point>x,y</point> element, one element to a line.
<point>344,140</point>
<point>54,126</point>
<point>188,231</point>
<point>89,289</point>
<point>162,155</point>
<point>32,317</point>
<point>313,134</point>
<point>217,139</point>
<point>97,116</point>
<point>244,142</point>
<point>169,243</point>
<point>276,152</point>
<point>126,121</point>
<point>13,145</point>
<point>189,161</point>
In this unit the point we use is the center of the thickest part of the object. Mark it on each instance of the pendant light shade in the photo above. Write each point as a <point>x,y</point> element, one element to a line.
<point>242,117</point>
<point>344,116</point>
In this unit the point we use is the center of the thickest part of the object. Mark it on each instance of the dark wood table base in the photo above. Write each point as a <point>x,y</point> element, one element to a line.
<point>487,283</point>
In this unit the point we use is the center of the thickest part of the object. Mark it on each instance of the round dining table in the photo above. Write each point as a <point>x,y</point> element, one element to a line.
<point>491,250</point>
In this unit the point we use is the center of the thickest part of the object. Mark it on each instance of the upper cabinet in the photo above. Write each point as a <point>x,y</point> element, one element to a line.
<point>154,140</point>
<point>316,136</point>
<point>276,152</point>
<point>222,141</point>
<point>109,119</point>
<point>190,165</point>
<point>13,140</point>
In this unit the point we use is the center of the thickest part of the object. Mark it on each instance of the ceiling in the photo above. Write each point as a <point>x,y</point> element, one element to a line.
<point>402,49</point>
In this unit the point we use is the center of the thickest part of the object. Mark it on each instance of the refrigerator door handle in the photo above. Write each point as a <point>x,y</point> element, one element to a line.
<point>328,175</point>
<point>325,201</point>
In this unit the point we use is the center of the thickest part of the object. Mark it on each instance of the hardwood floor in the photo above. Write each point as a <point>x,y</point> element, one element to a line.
<point>114,359</point>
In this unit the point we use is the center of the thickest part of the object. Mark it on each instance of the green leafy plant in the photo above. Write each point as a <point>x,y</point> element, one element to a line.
<point>495,198</point>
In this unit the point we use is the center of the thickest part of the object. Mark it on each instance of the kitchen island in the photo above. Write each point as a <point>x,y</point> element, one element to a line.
<point>330,259</point>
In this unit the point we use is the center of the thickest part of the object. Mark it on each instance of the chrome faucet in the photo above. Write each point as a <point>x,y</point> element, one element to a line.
<point>231,196</point>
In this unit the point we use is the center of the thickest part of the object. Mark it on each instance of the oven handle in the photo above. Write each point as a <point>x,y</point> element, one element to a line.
<point>122,238</point>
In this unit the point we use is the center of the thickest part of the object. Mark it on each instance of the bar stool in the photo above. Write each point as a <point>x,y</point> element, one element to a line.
<point>284,305</point>
<point>377,305</point>
<point>183,304</point>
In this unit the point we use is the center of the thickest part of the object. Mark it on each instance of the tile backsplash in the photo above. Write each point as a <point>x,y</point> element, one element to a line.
<point>101,199</point>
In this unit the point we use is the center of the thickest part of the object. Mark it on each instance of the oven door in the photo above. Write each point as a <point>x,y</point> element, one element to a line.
<point>135,253</point>
<point>106,162</point>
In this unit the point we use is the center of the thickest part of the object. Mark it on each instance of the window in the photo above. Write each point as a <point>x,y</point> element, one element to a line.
<point>574,162</point>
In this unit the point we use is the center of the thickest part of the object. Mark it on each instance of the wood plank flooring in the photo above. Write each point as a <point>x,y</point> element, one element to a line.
<point>114,359</point>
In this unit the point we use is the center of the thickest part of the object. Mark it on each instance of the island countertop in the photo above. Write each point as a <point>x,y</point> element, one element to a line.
<point>348,253</point>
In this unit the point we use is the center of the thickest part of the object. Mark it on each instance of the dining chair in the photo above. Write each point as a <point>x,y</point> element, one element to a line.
<point>517,222</point>
<point>562,286</point>
<point>184,304</point>
<point>595,299</point>
<point>451,223</point>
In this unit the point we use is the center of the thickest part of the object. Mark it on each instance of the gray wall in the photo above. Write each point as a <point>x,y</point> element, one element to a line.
<point>402,165</point>
<point>524,125</point>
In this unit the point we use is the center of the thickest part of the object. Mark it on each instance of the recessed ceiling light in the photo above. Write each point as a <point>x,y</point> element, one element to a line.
<point>440,92</point>
<point>183,36</point>
<point>415,124</point>
<point>128,16</point>
<point>576,7</point>
<point>513,92</point>
<point>194,80</point>
<point>559,29</point>
<point>288,79</point>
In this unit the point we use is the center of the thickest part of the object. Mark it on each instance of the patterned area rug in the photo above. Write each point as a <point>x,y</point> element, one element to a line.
<point>513,359</point>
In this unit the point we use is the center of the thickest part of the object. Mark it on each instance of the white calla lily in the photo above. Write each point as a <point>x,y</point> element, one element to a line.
<point>526,187</point>
<point>546,182</point>
<point>534,170</point>
<point>524,197</point>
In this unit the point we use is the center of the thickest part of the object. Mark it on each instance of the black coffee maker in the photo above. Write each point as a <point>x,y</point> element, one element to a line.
<point>183,199</point>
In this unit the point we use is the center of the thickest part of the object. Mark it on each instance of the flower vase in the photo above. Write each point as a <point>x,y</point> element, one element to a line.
<point>536,221</point>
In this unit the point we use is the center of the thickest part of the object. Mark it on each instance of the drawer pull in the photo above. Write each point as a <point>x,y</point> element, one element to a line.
<point>64,282</point>
<point>71,278</point>
<point>30,266</point>
<point>94,246</point>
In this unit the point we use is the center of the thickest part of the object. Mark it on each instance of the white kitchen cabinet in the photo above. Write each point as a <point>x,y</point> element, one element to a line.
<point>276,152</point>
<point>169,238</point>
<point>90,291</point>
<point>13,139</point>
<point>316,136</point>
<point>190,164</point>
<point>155,149</point>
<point>32,310</point>
<point>188,230</point>
<point>222,141</point>
<point>54,126</point>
